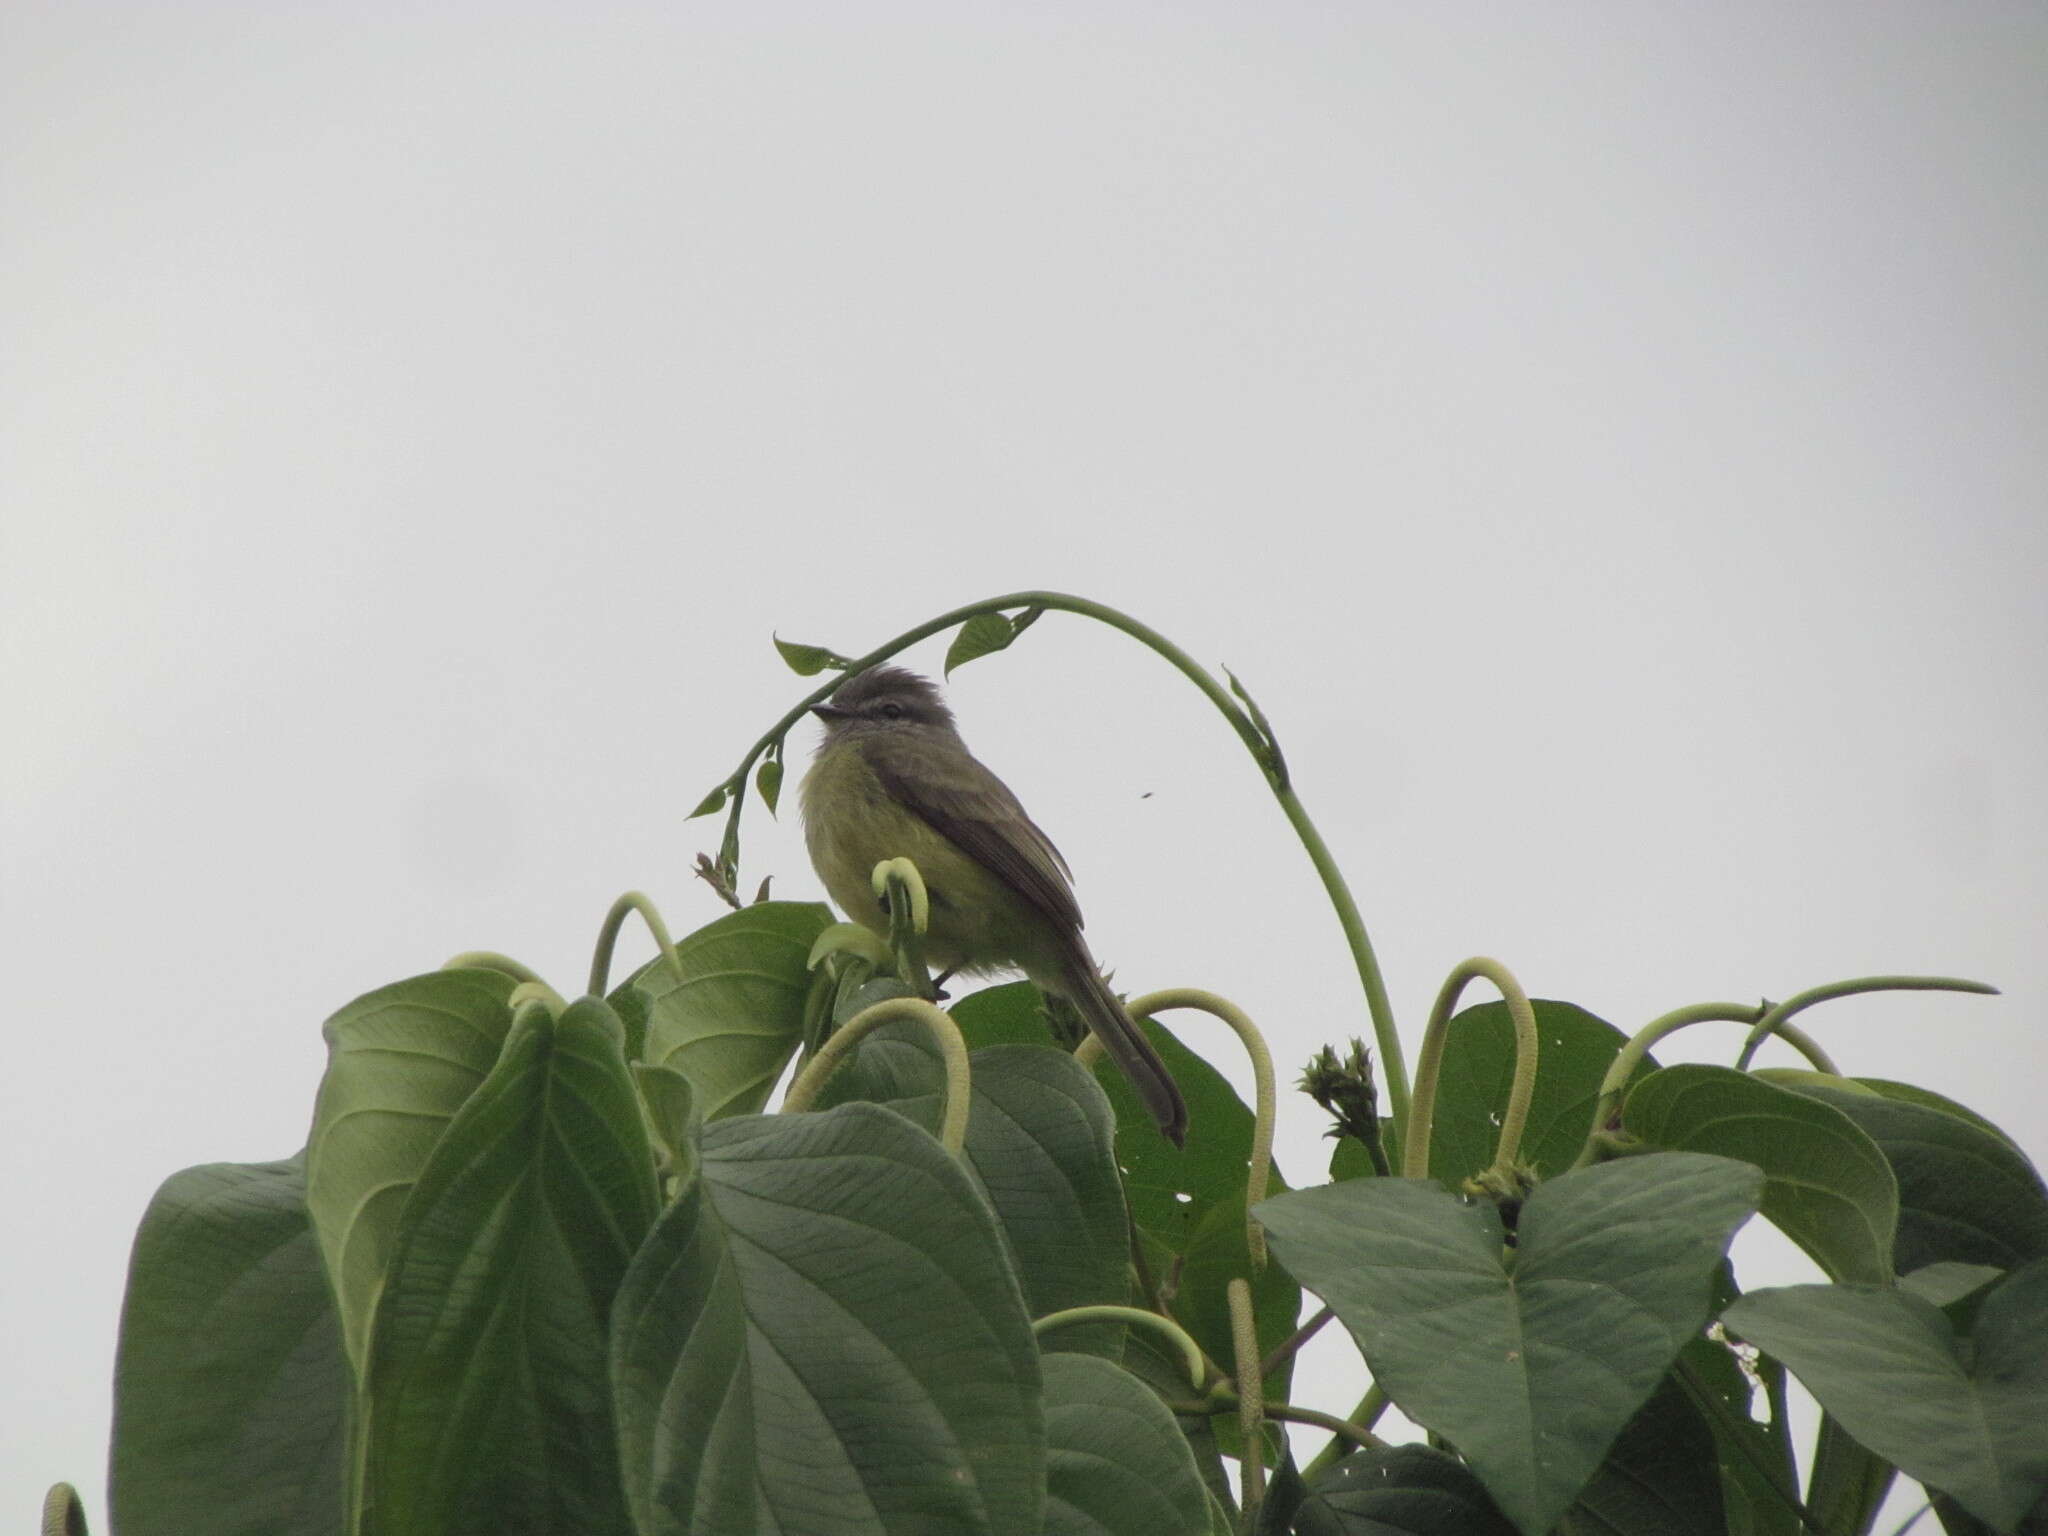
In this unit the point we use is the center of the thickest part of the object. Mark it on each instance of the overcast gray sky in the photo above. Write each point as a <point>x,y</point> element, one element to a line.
<point>1607,438</point>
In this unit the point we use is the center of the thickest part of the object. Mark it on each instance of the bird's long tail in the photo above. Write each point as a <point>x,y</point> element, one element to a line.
<point>1082,985</point>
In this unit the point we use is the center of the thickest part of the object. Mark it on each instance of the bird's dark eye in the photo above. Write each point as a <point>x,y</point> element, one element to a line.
<point>892,711</point>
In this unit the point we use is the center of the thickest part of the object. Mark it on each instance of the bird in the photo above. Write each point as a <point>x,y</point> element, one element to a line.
<point>892,778</point>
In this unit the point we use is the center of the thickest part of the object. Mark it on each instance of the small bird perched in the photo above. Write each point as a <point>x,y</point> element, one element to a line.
<point>893,779</point>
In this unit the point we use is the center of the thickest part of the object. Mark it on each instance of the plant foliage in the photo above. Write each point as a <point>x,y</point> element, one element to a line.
<point>549,1265</point>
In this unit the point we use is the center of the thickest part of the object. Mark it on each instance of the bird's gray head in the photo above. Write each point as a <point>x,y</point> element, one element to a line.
<point>884,698</point>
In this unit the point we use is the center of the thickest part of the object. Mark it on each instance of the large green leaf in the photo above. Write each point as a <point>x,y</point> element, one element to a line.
<point>1965,1193</point>
<point>1957,1521</point>
<point>823,1335</point>
<point>231,1392</point>
<point>1116,1463</point>
<point>1187,1202</point>
<point>1964,1415</point>
<point>733,1024</point>
<point>489,1407</point>
<point>1927,1098</point>
<point>1399,1490</point>
<point>1169,1186</point>
<point>1532,1361</point>
<point>1661,1474</point>
<point>1575,1051</point>
<point>1040,1140</point>
<point>400,1062</point>
<point>1826,1184</point>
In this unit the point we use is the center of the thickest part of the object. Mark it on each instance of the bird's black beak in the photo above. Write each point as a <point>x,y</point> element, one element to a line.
<point>831,711</point>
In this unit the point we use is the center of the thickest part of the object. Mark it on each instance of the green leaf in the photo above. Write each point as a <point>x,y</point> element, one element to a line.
<point>1957,1521</point>
<point>1927,1098</point>
<point>671,1105</point>
<point>1011,1014</point>
<point>1962,1415</point>
<point>1040,1141</point>
<point>231,1392</point>
<point>488,1405</point>
<point>1826,1184</point>
<point>720,793</point>
<point>982,635</point>
<point>1188,1203</point>
<point>1946,1284</point>
<point>1399,1490</point>
<point>819,1278</point>
<point>768,781</point>
<point>1116,1464</point>
<point>1530,1366</point>
<point>400,1062</point>
<point>809,660</point>
<point>1661,1474</point>
<point>733,1023</point>
<point>1965,1194</point>
<point>1576,1049</point>
<point>1251,706</point>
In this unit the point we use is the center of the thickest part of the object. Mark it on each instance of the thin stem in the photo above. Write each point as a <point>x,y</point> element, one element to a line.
<point>1773,1022</point>
<point>1385,1036</point>
<point>952,1049</point>
<point>608,936</point>
<point>1343,1429</point>
<point>1264,751</point>
<point>1190,1352</point>
<point>1362,1419</point>
<point>1415,1150</point>
<point>1285,1349</point>
<point>1265,1109</point>
<point>1251,1404</point>
<point>1624,1065</point>
<point>490,960</point>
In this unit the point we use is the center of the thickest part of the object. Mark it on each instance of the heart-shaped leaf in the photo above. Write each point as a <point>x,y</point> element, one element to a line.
<point>1039,1139</point>
<point>1965,1193</point>
<point>1530,1363</point>
<point>1187,1202</point>
<point>808,660</point>
<point>1927,1098</point>
<point>1399,1490</point>
<point>1477,1076</point>
<point>818,1277</point>
<point>1826,1184</point>
<point>1661,1474</point>
<point>488,1408</point>
<point>982,635</point>
<point>1116,1464</point>
<point>733,1021</point>
<point>401,1061</point>
<point>231,1391</point>
<point>1961,1414</point>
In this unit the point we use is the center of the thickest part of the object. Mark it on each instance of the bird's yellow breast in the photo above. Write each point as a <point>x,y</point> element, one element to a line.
<point>851,824</point>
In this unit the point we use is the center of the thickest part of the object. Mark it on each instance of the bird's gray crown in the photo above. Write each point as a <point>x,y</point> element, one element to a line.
<point>886,694</point>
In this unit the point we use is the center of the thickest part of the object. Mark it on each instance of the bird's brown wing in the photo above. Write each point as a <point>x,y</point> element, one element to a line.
<point>972,808</point>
